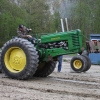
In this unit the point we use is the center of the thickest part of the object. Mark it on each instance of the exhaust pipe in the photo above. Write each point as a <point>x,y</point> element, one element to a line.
<point>62,25</point>
<point>66,20</point>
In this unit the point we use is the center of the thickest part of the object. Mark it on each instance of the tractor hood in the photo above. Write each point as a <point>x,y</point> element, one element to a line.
<point>60,36</point>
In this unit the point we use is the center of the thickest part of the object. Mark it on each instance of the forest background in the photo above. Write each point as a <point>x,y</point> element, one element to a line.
<point>43,16</point>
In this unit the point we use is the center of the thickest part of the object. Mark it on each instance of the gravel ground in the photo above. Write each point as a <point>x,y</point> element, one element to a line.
<point>58,86</point>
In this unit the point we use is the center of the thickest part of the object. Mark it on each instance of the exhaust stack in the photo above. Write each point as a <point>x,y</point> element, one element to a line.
<point>62,25</point>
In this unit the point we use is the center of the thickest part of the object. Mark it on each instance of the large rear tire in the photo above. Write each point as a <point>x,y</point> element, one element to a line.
<point>19,59</point>
<point>78,63</point>
<point>45,69</point>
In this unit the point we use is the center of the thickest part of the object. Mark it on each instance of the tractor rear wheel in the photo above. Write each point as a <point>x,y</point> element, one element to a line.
<point>88,63</point>
<point>45,69</point>
<point>78,63</point>
<point>19,59</point>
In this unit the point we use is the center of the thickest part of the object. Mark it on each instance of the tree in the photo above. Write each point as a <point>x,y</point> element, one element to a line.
<point>86,16</point>
<point>10,16</point>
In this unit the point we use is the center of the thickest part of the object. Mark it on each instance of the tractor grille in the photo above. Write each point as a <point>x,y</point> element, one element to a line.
<point>75,40</point>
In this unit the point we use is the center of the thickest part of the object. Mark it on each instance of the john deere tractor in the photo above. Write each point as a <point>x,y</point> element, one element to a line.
<point>21,59</point>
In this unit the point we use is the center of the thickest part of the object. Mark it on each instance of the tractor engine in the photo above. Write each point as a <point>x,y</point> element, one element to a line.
<point>59,44</point>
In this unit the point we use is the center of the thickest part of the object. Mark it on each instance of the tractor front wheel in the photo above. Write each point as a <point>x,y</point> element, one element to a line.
<point>78,63</point>
<point>88,63</point>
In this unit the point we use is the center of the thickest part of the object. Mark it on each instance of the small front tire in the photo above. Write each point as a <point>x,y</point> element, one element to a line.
<point>78,63</point>
<point>88,63</point>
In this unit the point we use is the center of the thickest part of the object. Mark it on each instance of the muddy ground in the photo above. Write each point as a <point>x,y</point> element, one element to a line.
<point>58,86</point>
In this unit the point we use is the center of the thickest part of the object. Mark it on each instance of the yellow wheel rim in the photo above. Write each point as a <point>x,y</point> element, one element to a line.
<point>77,64</point>
<point>15,59</point>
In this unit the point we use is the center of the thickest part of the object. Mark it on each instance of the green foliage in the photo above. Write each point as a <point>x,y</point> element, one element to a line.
<point>32,13</point>
<point>10,17</point>
<point>85,16</point>
<point>36,14</point>
<point>40,18</point>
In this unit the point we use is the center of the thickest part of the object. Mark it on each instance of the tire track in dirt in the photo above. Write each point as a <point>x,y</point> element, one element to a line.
<point>48,84</point>
<point>75,86</point>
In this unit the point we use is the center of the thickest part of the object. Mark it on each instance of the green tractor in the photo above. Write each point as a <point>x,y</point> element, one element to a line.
<point>20,59</point>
